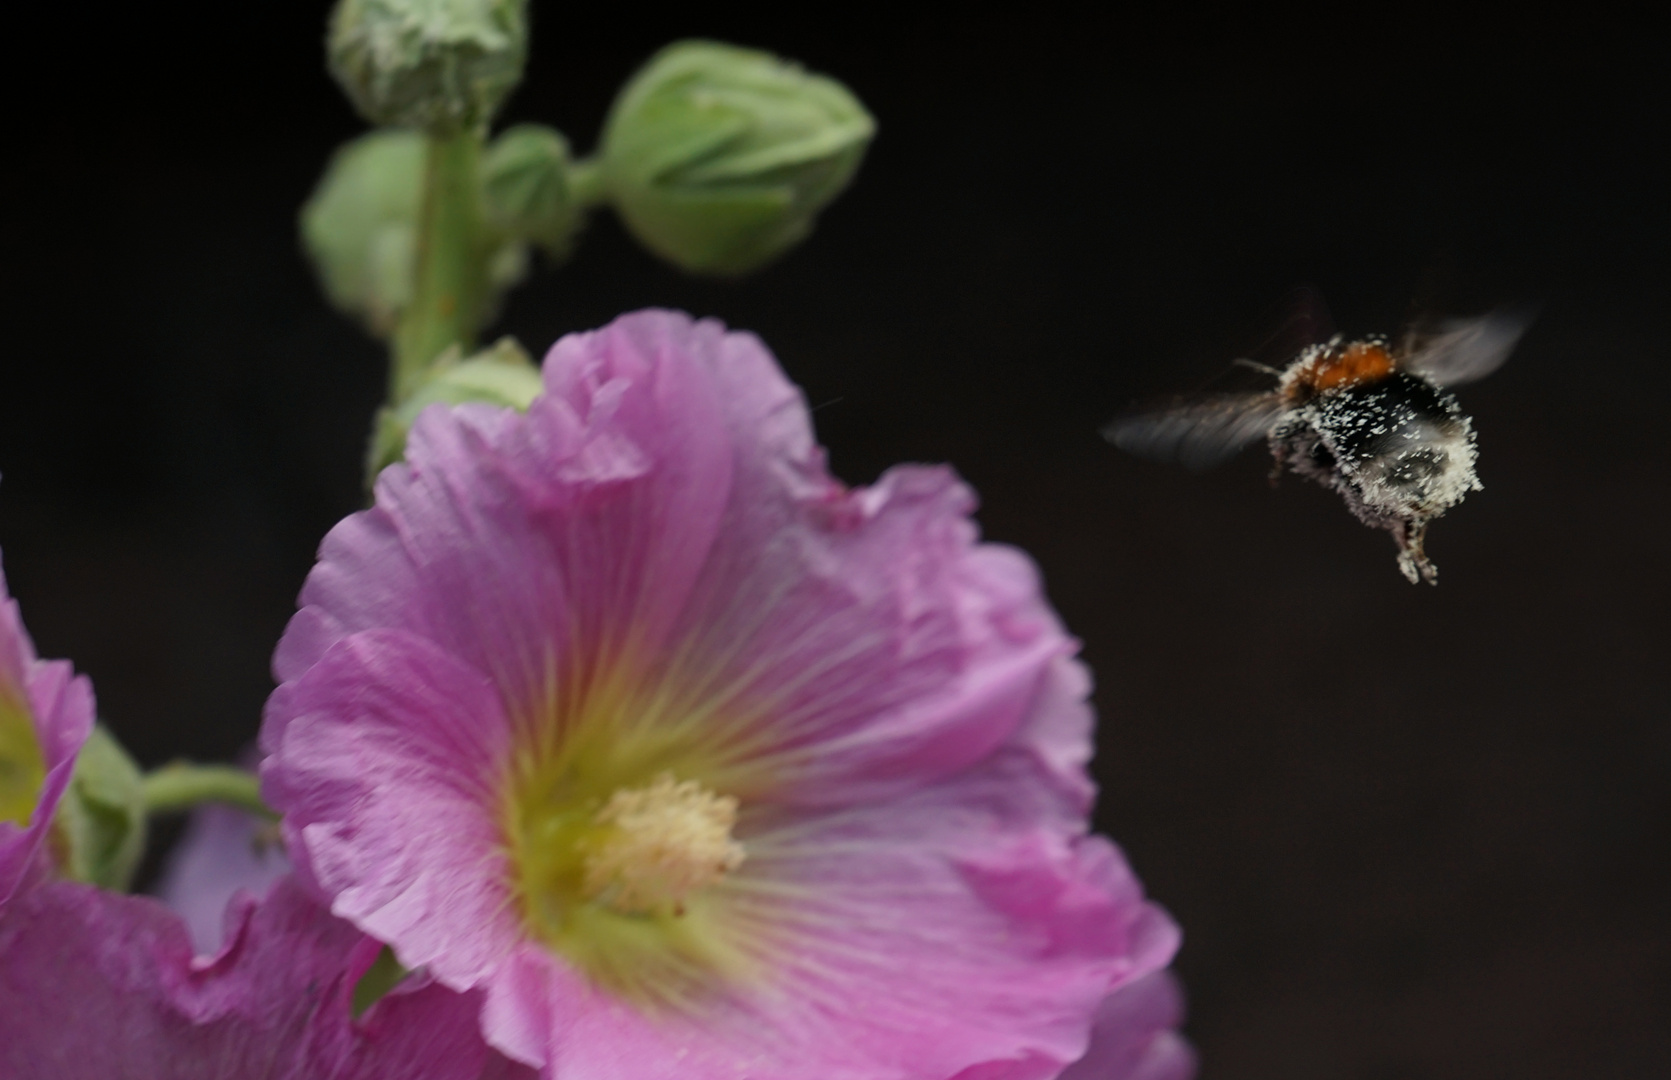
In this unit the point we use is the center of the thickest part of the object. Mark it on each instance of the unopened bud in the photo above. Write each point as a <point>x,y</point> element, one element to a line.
<point>525,182</point>
<point>720,158</point>
<point>439,65</point>
<point>360,228</point>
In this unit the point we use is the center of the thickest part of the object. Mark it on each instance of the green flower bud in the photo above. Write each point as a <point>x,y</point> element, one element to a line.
<point>440,65</point>
<point>503,374</point>
<point>525,182</point>
<point>719,158</point>
<point>360,228</point>
<point>99,830</point>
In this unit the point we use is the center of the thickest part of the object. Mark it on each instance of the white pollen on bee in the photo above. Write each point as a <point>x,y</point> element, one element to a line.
<point>659,844</point>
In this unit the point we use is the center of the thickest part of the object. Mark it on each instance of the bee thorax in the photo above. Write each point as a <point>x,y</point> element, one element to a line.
<point>1334,366</point>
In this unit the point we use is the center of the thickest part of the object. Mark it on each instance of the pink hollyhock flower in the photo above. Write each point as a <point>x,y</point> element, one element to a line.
<point>698,763</point>
<point>46,713</point>
<point>97,985</point>
<point>224,851</point>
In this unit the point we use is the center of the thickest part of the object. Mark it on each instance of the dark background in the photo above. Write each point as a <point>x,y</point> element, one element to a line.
<point>1408,831</point>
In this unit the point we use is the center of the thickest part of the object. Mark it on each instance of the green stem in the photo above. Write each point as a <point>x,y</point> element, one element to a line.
<point>451,284</point>
<point>586,183</point>
<point>181,785</point>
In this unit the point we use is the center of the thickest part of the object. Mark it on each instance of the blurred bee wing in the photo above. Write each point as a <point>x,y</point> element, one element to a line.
<point>1196,434</point>
<point>1462,350</point>
<point>1302,319</point>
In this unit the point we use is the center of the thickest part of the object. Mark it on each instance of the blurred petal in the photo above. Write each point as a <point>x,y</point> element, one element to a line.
<point>223,851</point>
<point>1134,1036</point>
<point>98,985</point>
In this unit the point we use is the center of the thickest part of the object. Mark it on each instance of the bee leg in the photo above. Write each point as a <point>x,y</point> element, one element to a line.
<point>1279,460</point>
<point>1412,559</point>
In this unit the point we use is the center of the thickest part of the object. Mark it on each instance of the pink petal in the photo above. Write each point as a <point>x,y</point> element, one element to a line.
<point>98,985</point>
<point>390,806</point>
<point>505,535</point>
<point>887,646</point>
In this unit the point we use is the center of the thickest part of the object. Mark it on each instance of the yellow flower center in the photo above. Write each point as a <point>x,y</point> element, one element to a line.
<point>656,845</point>
<point>22,768</point>
<point>618,809</point>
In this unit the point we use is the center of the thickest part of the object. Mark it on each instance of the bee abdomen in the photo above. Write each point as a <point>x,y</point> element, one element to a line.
<point>1394,415</point>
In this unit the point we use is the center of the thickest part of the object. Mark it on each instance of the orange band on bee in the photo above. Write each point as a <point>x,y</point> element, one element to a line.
<point>1348,365</point>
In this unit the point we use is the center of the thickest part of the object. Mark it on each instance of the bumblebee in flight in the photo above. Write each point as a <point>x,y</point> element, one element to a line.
<point>1372,420</point>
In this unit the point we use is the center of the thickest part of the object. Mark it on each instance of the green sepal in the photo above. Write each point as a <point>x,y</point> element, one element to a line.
<point>503,374</point>
<point>99,829</point>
